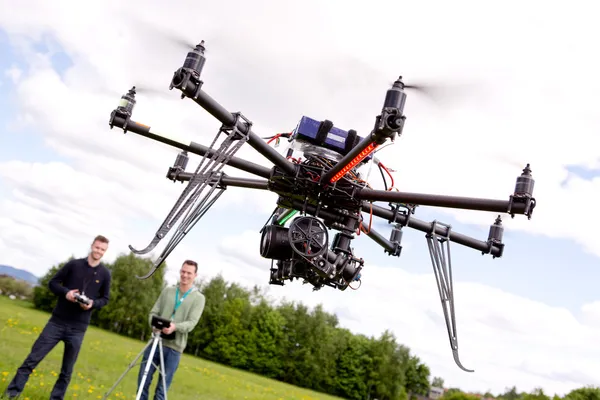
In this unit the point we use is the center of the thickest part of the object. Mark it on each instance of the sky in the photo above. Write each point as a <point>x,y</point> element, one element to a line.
<point>520,87</point>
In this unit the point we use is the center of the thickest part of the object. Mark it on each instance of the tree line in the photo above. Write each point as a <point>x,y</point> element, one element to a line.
<point>285,340</point>
<point>583,393</point>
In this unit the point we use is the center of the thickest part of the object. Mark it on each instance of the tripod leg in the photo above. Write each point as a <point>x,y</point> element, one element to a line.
<point>147,368</point>
<point>127,370</point>
<point>162,369</point>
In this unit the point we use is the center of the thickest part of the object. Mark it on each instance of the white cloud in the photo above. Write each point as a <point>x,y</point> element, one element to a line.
<point>520,104</point>
<point>54,211</point>
<point>13,73</point>
<point>591,313</point>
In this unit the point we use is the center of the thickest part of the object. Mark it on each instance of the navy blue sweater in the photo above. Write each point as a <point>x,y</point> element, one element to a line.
<point>94,282</point>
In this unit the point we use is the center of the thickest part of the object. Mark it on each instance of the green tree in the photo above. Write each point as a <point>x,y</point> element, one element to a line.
<point>227,321</point>
<point>437,382</point>
<point>131,299</point>
<point>214,292</point>
<point>15,287</point>
<point>585,393</point>
<point>260,348</point>
<point>297,351</point>
<point>320,348</point>
<point>417,377</point>
<point>459,395</point>
<point>43,298</point>
<point>451,391</point>
<point>536,394</point>
<point>352,366</point>
<point>510,394</point>
<point>387,376</point>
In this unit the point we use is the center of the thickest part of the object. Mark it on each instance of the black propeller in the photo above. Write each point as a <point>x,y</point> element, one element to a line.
<point>438,92</point>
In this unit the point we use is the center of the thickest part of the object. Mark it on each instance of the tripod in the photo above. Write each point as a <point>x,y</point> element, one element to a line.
<point>156,341</point>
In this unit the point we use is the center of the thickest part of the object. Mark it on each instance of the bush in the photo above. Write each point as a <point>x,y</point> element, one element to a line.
<point>10,286</point>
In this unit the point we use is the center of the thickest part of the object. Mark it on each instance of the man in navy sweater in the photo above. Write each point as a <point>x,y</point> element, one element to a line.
<point>70,318</point>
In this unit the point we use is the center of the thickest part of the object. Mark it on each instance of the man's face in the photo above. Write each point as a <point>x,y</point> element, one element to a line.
<point>187,274</point>
<point>98,250</point>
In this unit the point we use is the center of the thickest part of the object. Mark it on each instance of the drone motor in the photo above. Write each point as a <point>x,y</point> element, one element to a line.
<point>191,70</point>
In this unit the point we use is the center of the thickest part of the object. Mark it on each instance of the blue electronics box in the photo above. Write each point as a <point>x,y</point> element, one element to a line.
<point>336,139</point>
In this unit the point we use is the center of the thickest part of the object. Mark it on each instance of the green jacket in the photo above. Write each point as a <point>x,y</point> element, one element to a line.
<point>186,317</point>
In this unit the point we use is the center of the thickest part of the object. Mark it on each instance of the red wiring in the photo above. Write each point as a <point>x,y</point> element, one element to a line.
<point>389,174</point>
<point>274,138</point>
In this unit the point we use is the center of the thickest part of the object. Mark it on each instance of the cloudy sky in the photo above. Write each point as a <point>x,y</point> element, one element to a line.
<point>520,83</point>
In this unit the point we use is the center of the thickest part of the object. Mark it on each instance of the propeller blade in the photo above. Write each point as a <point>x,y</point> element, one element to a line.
<point>512,160</point>
<point>148,90</point>
<point>179,41</point>
<point>144,90</point>
<point>154,34</point>
<point>440,91</point>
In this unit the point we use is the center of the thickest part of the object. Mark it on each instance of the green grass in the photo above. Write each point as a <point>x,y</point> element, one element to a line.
<point>105,356</point>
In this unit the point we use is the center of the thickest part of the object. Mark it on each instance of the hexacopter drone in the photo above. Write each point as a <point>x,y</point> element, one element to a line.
<point>321,184</point>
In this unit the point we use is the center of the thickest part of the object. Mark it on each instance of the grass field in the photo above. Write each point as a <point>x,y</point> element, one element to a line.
<point>105,356</point>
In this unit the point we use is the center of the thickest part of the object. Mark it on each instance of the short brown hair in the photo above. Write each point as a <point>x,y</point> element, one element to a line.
<point>101,239</point>
<point>192,263</point>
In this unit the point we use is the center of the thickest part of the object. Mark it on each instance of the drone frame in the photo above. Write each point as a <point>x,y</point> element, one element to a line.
<point>328,194</point>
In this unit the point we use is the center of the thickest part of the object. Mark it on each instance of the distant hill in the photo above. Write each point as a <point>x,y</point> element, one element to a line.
<point>19,274</point>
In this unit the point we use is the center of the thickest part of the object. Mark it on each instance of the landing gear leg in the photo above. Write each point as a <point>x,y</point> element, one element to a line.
<point>442,268</point>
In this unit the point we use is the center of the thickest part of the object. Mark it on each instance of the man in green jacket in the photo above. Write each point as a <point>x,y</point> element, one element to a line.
<point>183,304</point>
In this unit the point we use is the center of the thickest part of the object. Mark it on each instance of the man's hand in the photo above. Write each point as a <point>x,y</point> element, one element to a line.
<point>87,306</point>
<point>170,329</point>
<point>71,295</point>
